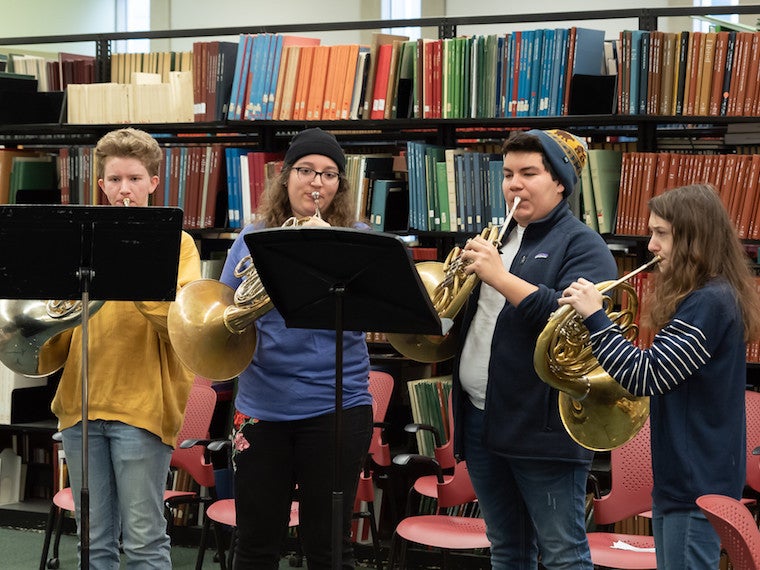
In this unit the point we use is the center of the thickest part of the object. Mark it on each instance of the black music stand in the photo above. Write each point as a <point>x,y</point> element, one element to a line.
<point>342,279</point>
<point>89,253</point>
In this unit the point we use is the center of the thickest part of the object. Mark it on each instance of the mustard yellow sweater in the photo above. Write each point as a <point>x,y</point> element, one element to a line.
<point>135,376</point>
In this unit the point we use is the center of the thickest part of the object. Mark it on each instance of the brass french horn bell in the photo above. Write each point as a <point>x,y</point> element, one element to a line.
<point>211,325</point>
<point>28,329</point>
<point>597,412</point>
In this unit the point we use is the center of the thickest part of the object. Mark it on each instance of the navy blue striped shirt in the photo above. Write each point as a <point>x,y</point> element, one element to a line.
<point>695,371</point>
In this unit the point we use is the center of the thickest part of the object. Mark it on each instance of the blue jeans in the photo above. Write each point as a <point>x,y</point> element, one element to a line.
<point>127,468</point>
<point>529,505</point>
<point>685,540</point>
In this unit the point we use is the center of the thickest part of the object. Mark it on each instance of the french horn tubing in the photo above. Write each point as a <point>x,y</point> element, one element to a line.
<point>448,286</point>
<point>597,412</point>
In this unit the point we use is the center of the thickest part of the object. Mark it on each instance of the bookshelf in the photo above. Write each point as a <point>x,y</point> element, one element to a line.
<point>649,132</point>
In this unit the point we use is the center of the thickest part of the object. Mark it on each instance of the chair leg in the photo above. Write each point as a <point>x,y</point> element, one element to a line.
<point>53,562</point>
<point>202,545</point>
<point>392,551</point>
<point>48,535</point>
<point>233,546</point>
<point>218,532</point>
<point>375,540</point>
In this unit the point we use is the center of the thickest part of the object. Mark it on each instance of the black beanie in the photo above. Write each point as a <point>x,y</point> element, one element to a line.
<point>315,141</point>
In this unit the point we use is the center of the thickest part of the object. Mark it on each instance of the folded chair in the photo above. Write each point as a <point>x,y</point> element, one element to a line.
<point>737,529</point>
<point>198,413</point>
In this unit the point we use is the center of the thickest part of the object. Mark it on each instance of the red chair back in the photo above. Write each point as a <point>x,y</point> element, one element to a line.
<point>458,489</point>
<point>195,425</point>
<point>381,388</point>
<point>631,481</point>
<point>736,527</point>
<point>752,406</point>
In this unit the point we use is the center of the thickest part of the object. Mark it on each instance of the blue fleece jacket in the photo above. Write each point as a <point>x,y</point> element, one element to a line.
<point>695,372</point>
<point>292,375</point>
<point>522,413</point>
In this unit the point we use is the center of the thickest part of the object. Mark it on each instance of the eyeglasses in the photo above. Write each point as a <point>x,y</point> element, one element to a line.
<point>309,174</point>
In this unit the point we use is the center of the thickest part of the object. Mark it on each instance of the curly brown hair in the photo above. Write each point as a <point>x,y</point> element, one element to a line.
<point>275,208</point>
<point>705,246</point>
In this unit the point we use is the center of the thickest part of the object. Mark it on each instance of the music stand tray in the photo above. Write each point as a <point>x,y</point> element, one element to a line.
<point>90,253</point>
<point>342,279</point>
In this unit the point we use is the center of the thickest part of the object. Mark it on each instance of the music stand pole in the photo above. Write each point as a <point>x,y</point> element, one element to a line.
<point>84,495</point>
<point>337,494</point>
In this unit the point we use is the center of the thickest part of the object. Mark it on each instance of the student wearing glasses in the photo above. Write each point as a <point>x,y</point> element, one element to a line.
<point>285,404</point>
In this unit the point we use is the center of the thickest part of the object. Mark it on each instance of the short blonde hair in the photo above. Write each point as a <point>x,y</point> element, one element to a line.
<point>128,143</point>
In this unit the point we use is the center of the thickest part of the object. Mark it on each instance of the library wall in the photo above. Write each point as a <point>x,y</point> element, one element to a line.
<point>185,14</point>
<point>46,18</point>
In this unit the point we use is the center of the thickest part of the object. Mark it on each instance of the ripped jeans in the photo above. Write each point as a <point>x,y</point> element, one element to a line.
<point>529,505</point>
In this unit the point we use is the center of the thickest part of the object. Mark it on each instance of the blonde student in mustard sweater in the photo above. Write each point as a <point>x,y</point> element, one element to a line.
<point>137,387</point>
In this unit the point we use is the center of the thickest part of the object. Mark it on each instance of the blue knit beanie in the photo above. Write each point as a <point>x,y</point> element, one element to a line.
<point>566,153</point>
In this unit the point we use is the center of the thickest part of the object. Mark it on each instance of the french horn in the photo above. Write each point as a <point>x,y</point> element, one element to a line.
<point>597,412</point>
<point>448,286</point>
<point>28,329</point>
<point>211,324</point>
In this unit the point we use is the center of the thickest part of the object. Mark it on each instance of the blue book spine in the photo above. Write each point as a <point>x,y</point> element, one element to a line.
<point>256,73</point>
<point>635,66</point>
<point>547,65</point>
<point>272,73</point>
<point>535,72</point>
<point>240,77</point>
<point>167,174</point>
<point>558,83</point>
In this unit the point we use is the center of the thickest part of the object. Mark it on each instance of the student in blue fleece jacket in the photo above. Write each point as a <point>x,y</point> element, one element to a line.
<point>704,307</point>
<point>528,474</point>
<point>285,404</point>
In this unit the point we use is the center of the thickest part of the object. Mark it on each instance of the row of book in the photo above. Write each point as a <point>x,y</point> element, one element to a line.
<point>428,188</point>
<point>429,400</point>
<point>285,77</point>
<point>454,189</point>
<point>688,73</point>
<point>147,99</point>
<point>644,175</point>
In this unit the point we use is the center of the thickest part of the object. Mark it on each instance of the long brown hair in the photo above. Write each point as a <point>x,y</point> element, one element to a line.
<point>705,246</point>
<point>275,206</point>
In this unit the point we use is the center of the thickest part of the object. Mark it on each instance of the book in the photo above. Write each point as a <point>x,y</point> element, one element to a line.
<point>382,74</point>
<point>587,192</point>
<point>429,399</point>
<point>378,39</point>
<point>32,173</point>
<point>604,169</point>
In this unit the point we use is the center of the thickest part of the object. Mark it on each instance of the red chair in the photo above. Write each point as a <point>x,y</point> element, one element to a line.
<point>443,531</point>
<point>198,413</point>
<point>736,527</point>
<point>752,407</point>
<point>630,494</point>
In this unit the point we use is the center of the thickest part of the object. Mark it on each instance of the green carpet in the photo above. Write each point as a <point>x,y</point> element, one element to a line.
<point>21,550</point>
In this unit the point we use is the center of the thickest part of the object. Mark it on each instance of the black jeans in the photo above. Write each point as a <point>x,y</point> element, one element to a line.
<point>284,454</point>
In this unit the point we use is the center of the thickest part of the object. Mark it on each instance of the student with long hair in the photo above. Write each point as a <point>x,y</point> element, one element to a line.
<point>705,307</point>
